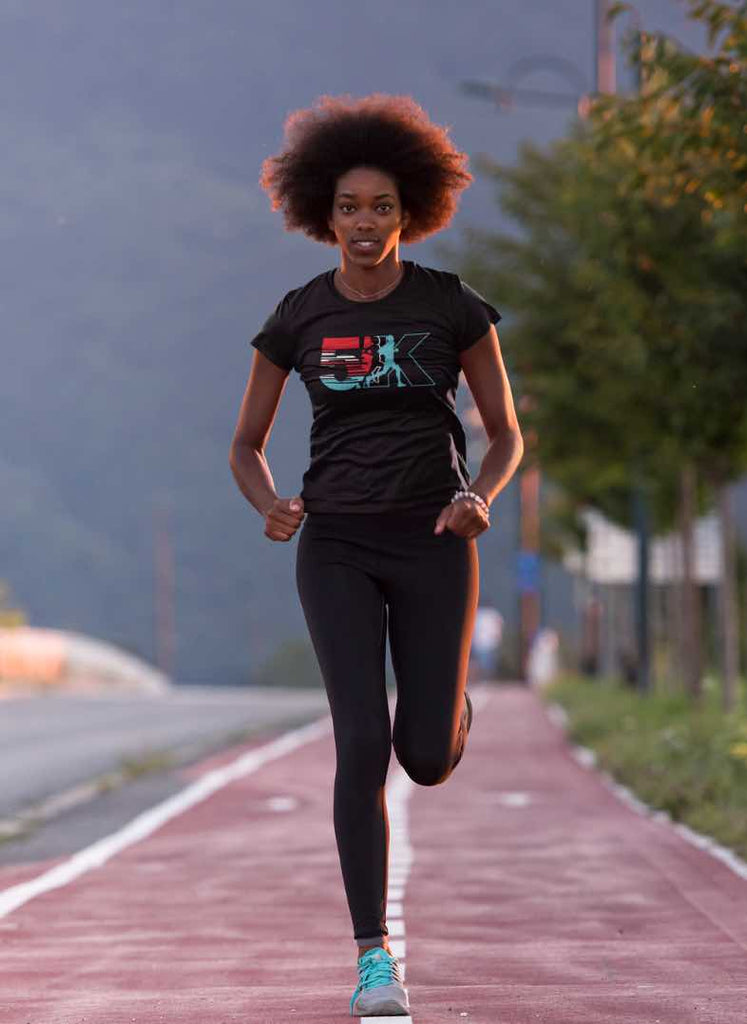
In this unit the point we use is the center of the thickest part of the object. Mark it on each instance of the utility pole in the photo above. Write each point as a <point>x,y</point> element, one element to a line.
<point>164,590</point>
<point>643,529</point>
<point>528,565</point>
<point>640,499</point>
<point>605,81</point>
<point>528,570</point>
<point>604,49</point>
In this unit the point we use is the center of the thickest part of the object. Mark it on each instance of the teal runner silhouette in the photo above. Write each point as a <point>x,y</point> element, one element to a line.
<point>386,348</point>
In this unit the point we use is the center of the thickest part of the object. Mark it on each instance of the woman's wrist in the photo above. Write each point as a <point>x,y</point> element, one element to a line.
<point>481,491</point>
<point>471,495</point>
<point>266,506</point>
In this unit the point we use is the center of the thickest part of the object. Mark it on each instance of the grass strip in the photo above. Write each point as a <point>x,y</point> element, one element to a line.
<point>689,761</point>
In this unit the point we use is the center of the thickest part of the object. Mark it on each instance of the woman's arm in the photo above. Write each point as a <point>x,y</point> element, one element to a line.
<point>259,407</point>
<point>487,379</point>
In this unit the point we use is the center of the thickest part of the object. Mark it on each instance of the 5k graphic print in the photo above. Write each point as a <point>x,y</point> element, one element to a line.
<point>378,361</point>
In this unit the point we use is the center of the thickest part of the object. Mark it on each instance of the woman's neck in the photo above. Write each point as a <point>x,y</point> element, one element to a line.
<point>362,281</point>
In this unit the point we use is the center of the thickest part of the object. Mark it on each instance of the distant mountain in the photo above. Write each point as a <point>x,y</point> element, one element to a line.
<point>139,257</point>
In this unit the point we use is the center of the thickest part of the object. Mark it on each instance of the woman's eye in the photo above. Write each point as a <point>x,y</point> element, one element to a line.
<point>382,206</point>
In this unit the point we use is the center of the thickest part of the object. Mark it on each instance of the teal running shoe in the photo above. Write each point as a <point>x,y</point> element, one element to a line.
<point>380,992</point>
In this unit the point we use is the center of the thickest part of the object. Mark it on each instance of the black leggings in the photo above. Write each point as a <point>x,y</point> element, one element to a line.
<point>351,570</point>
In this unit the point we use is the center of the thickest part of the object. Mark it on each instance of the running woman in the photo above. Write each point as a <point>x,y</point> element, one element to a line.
<point>388,513</point>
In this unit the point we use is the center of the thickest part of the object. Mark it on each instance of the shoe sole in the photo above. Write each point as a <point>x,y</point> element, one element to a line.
<point>384,1001</point>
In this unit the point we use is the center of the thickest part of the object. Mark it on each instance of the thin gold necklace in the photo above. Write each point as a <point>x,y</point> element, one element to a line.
<point>372,295</point>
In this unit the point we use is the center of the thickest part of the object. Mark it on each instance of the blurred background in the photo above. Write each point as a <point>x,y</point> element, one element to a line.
<point>140,256</point>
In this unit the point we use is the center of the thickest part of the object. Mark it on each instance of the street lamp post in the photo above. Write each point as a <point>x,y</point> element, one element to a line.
<point>529,485</point>
<point>528,556</point>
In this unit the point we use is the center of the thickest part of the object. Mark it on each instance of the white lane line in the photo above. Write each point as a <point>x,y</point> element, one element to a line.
<point>144,824</point>
<point>404,1019</point>
<point>401,857</point>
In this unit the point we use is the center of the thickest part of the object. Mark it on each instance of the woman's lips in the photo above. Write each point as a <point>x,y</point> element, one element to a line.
<point>365,246</point>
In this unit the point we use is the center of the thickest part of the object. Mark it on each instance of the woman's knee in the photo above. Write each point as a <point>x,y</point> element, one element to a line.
<point>427,768</point>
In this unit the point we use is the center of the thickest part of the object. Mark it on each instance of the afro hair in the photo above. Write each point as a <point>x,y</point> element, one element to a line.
<point>390,133</point>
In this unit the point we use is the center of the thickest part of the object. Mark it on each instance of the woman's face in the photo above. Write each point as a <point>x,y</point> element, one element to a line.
<point>366,206</point>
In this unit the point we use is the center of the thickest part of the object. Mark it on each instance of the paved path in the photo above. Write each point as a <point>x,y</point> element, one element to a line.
<point>522,891</point>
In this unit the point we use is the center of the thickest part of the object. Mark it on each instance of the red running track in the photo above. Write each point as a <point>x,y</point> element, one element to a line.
<point>535,895</point>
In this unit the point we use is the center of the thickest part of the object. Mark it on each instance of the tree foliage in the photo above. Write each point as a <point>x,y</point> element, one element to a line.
<point>626,280</point>
<point>687,122</point>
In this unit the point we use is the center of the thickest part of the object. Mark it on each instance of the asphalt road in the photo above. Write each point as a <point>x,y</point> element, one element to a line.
<point>54,745</point>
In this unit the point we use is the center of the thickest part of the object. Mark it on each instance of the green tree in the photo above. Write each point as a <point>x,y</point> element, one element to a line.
<point>9,616</point>
<point>686,129</point>
<point>687,119</point>
<point>626,333</point>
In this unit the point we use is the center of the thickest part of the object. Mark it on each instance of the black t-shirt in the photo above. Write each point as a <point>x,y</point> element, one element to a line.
<point>382,377</point>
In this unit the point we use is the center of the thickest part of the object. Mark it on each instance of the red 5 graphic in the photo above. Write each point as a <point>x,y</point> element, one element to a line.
<point>346,354</point>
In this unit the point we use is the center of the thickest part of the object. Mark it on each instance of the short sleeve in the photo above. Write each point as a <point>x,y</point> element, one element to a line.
<point>275,339</point>
<point>475,315</point>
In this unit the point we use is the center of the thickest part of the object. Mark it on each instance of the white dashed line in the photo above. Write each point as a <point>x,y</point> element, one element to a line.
<point>401,856</point>
<point>514,799</point>
<point>282,803</point>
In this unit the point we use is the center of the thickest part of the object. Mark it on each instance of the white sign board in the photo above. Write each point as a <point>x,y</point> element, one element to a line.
<point>612,552</point>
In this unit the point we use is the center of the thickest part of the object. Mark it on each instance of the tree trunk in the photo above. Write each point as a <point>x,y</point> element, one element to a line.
<point>728,603</point>
<point>675,603</point>
<point>692,648</point>
<point>642,590</point>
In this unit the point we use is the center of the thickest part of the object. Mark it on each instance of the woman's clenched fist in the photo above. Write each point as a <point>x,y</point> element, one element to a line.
<point>283,518</point>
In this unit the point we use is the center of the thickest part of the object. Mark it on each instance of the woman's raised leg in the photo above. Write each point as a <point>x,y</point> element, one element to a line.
<point>432,596</point>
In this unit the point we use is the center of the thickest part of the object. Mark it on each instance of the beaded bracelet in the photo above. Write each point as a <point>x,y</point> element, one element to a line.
<point>475,497</point>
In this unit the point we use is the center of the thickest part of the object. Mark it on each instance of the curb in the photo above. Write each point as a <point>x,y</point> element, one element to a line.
<point>587,758</point>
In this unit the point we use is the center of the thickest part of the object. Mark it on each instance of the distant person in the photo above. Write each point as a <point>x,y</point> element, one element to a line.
<point>390,516</point>
<point>542,663</point>
<point>486,639</point>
